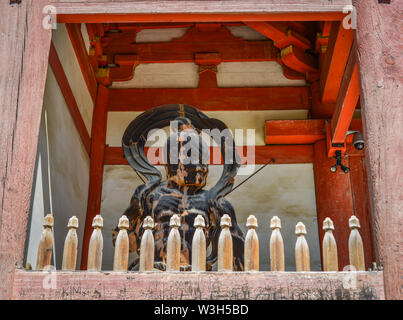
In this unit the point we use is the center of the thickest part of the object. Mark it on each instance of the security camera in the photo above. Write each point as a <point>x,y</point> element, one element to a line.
<point>358,141</point>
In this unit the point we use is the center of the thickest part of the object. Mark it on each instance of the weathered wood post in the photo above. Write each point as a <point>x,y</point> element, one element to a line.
<point>45,248</point>
<point>147,246</point>
<point>355,246</point>
<point>251,251</point>
<point>302,259</point>
<point>225,250</point>
<point>329,247</point>
<point>96,245</point>
<point>174,245</point>
<point>121,257</point>
<point>379,49</point>
<point>199,245</point>
<point>70,246</point>
<point>276,246</point>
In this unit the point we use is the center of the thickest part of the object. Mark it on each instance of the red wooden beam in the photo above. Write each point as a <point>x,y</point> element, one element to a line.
<point>294,131</point>
<point>80,49</point>
<point>98,133</point>
<point>320,110</point>
<point>280,34</point>
<point>67,93</point>
<point>347,100</point>
<point>296,59</point>
<point>212,99</point>
<point>335,61</point>
<point>183,49</point>
<point>206,38</point>
<point>194,17</point>
<point>285,154</point>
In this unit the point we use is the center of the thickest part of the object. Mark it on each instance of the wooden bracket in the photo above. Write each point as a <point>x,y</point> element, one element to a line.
<point>297,59</point>
<point>208,69</point>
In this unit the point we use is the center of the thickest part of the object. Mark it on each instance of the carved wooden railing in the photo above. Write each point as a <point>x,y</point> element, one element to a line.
<point>225,246</point>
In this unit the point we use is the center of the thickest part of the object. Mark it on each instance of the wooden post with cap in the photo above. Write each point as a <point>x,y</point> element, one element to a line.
<point>96,245</point>
<point>147,246</point>
<point>251,249</point>
<point>276,246</point>
<point>121,257</point>
<point>355,245</point>
<point>329,247</point>
<point>225,248</point>
<point>199,245</point>
<point>174,245</point>
<point>45,248</point>
<point>70,246</point>
<point>302,259</point>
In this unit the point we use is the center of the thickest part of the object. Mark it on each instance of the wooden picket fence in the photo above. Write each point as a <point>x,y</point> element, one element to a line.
<point>225,249</point>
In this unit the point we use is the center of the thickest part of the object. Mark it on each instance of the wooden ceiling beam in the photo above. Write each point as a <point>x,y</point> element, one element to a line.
<point>294,131</point>
<point>76,38</point>
<point>263,154</point>
<point>346,103</point>
<point>212,99</point>
<point>124,53</point>
<point>347,100</point>
<point>300,132</point>
<point>263,10</point>
<point>335,61</point>
<point>280,34</point>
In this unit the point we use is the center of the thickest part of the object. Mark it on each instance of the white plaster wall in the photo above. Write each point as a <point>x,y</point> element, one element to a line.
<point>86,37</point>
<point>72,69</point>
<point>38,212</point>
<point>283,190</point>
<point>163,75</point>
<point>253,74</point>
<point>69,170</point>
<point>160,35</point>
<point>246,33</point>
<point>230,74</point>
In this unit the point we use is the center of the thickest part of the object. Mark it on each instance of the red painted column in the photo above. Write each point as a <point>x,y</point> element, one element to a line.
<point>333,200</point>
<point>98,138</point>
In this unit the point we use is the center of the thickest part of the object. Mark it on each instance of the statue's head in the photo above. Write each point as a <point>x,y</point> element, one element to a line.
<point>186,156</point>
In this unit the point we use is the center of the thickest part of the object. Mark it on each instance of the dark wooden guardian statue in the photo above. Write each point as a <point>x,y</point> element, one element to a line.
<point>186,159</point>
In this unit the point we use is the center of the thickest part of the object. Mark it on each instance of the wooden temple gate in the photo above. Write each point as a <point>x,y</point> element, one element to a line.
<point>336,85</point>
